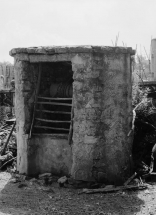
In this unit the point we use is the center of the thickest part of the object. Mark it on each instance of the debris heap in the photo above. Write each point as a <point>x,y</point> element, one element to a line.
<point>8,145</point>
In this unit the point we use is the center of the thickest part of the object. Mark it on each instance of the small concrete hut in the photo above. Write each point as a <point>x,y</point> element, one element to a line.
<point>73,110</point>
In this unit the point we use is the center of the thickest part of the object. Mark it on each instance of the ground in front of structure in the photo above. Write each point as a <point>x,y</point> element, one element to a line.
<point>33,198</point>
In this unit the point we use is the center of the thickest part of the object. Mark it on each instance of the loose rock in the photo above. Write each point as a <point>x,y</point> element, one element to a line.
<point>62,181</point>
<point>44,175</point>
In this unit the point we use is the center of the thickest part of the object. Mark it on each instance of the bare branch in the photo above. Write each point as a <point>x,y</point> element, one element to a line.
<point>112,42</point>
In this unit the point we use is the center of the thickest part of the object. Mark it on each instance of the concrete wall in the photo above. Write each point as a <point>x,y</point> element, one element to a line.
<point>49,154</point>
<point>102,117</point>
<point>101,149</point>
<point>23,105</point>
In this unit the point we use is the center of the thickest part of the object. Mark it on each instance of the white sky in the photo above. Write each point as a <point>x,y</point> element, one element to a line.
<point>26,23</point>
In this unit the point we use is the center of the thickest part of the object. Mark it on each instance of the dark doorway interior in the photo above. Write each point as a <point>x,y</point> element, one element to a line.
<point>54,103</point>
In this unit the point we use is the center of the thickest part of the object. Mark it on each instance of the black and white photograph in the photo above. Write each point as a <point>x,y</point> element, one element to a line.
<point>77,107</point>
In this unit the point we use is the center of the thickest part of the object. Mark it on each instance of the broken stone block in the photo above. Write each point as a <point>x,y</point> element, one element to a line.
<point>13,180</point>
<point>62,181</point>
<point>33,180</point>
<point>44,175</point>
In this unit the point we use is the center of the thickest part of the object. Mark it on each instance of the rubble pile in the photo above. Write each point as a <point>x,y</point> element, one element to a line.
<point>8,145</point>
<point>144,138</point>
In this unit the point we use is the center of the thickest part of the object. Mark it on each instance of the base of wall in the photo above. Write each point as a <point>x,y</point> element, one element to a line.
<point>46,153</point>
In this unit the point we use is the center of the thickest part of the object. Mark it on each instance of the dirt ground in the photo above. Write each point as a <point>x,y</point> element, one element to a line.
<point>31,198</point>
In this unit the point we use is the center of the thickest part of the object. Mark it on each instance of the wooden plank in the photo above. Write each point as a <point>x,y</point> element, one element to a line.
<point>55,103</point>
<point>49,98</point>
<point>115,189</point>
<point>52,128</point>
<point>56,112</point>
<point>71,126</point>
<point>52,134</point>
<point>7,162</point>
<point>5,145</point>
<point>36,94</point>
<point>130,179</point>
<point>55,121</point>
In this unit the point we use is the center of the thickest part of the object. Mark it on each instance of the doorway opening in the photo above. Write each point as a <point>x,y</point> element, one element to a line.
<point>54,100</point>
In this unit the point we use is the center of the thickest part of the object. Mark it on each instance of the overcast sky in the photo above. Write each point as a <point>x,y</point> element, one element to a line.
<point>26,23</point>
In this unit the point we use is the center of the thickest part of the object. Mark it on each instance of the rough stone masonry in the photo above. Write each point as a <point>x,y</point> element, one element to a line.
<point>100,149</point>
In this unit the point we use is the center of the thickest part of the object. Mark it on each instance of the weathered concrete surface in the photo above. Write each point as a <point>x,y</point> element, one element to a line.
<point>39,154</point>
<point>20,116</point>
<point>49,154</point>
<point>52,50</point>
<point>102,117</point>
<point>100,147</point>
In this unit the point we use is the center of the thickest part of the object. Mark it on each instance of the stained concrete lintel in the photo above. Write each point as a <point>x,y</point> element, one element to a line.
<point>52,50</point>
